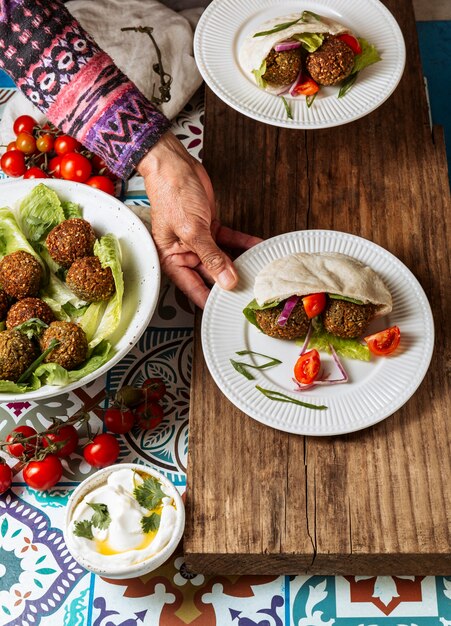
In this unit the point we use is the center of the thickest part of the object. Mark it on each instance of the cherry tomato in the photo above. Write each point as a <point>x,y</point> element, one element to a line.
<point>75,167</point>
<point>154,388</point>
<point>149,415</point>
<point>65,144</point>
<point>352,42</point>
<point>307,367</point>
<point>18,449</point>
<point>103,183</point>
<point>314,304</point>
<point>35,172</point>
<point>119,421</point>
<point>44,143</point>
<point>42,475</point>
<point>67,439</point>
<point>26,143</point>
<point>11,146</point>
<point>103,450</point>
<point>307,87</point>
<point>100,167</point>
<point>6,477</point>
<point>13,163</point>
<point>54,167</point>
<point>24,124</point>
<point>384,342</point>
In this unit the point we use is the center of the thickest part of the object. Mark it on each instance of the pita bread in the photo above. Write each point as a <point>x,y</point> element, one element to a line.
<point>304,273</point>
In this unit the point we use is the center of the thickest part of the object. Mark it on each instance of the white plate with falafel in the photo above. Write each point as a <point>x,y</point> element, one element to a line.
<point>327,333</point>
<point>79,282</point>
<point>305,66</point>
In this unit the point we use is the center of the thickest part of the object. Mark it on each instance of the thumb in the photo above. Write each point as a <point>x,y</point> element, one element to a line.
<point>216,262</point>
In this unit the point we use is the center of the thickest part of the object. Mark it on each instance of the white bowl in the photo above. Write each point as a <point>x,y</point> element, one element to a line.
<point>145,566</point>
<point>140,266</point>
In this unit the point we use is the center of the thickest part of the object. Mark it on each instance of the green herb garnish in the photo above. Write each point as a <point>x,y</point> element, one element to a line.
<point>279,27</point>
<point>311,14</point>
<point>101,518</point>
<point>149,494</point>
<point>309,99</point>
<point>150,523</point>
<point>83,529</point>
<point>32,328</point>
<point>240,366</point>
<point>52,345</point>
<point>346,84</point>
<point>281,397</point>
<point>287,108</point>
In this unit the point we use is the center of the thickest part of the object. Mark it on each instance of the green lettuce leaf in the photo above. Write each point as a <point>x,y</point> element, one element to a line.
<point>261,82</point>
<point>7,386</point>
<point>11,236</point>
<point>310,41</point>
<point>249,310</point>
<point>347,348</point>
<point>368,56</point>
<point>336,296</point>
<point>71,209</point>
<point>40,211</point>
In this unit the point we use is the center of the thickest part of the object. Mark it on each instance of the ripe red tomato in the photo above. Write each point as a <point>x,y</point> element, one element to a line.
<point>307,87</point>
<point>35,172</point>
<point>17,449</point>
<point>55,166</point>
<point>314,304</point>
<point>65,144</point>
<point>24,124</point>
<point>384,342</point>
<point>75,167</point>
<point>154,388</point>
<point>149,415</point>
<point>44,143</point>
<point>103,450</point>
<point>6,477</point>
<point>307,367</point>
<point>42,475</point>
<point>26,143</point>
<point>352,42</point>
<point>103,183</point>
<point>119,421</point>
<point>67,439</point>
<point>13,163</point>
<point>11,146</point>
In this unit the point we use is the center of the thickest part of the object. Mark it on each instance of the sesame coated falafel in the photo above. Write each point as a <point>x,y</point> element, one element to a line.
<point>17,353</point>
<point>331,63</point>
<point>5,303</point>
<point>89,280</point>
<point>20,274</point>
<point>72,349</point>
<point>70,240</point>
<point>347,319</point>
<point>296,325</point>
<point>282,68</point>
<point>27,309</point>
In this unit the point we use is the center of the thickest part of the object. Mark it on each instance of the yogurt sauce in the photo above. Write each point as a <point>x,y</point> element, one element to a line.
<point>123,542</point>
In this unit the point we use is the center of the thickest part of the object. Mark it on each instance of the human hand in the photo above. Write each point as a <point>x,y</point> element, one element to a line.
<point>186,233</point>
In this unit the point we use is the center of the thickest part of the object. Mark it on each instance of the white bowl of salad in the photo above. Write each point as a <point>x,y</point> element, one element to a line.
<point>29,211</point>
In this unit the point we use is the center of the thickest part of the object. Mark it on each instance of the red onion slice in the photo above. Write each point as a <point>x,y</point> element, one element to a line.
<point>325,379</point>
<point>287,310</point>
<point>283,46</point>
<point>298,80</point>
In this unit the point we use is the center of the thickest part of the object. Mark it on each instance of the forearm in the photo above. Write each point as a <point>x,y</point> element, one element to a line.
<point>65,74</point>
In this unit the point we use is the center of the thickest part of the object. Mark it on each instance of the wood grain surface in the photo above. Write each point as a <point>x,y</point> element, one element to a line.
<point>377,501</point>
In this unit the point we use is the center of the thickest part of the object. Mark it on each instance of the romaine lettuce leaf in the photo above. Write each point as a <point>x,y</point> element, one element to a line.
<point>39,212</point>
<point>71,209</point>
<point>310,41</point>
<point>249,310</point>
<point>368,56</point>
<point>261,82</point>
<point>347,348</point>
<point>12,238</point>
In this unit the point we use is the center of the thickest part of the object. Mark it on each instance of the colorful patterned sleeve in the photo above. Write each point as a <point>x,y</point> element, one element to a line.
<point>66,75</point>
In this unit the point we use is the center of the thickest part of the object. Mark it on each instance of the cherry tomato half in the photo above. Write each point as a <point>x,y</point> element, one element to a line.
<point>119,421</point>
<point>6,477</point>
<point>307,367</point>
<point>314,304</point>
<point>35,172</point>
<point>55,166</point>
<point>307,87</point>
<point>75,167</point>
<point>44,143</point>
<point>149,415</point>
<point>42,475</point>
<point>384,342</point>
<point>66,438</point>
<point>103,183</point>
<point>65,144</point>
<point>17,449</point>
<point>26,143</point>
<point>154,388</point>
<point>103,450</point>
<point>24,124</point>
<point>13,163</point>
<point>352,42</point>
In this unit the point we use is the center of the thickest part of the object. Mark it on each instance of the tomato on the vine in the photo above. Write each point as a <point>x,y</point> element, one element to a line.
<point>26,143</point>
<point>307,367</point>
<point>35,172</point>
<point>24,124</point>
<point>44,143</point>
<point>103,183</point>
<point>13,163</point>
<point>149,415</point>
<point>384,342</point>
<point>15,447</point>
<point>75,167</point>
<point>314,304</point>
<point>119,421</point>
<point>6,477</point>
<point>66,438</point>
<point>102,451</point>
<point>154,388</point>
<point>11,146</point>
<point>65,144</point>
<point>54,166</point>
<point>43,474</point>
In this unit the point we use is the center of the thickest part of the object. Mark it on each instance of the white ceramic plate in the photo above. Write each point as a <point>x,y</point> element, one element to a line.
<point>140,266</point>
<point>376,389</point>
<point>225,24</point>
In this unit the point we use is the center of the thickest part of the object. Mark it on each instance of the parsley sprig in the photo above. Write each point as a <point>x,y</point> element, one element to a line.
<point>149,494</point>
<point>101,519</point>
<point>150,523</point>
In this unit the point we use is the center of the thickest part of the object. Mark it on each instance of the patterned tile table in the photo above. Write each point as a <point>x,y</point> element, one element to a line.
<point>40,584</point>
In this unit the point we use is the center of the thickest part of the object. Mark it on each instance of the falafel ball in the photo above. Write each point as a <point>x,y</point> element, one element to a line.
<point>89,280</point>
<point>331,63</point>
<point>27,309</point>
<point>72,349</point>
<point>17,353</point>
<point>282,68</point>
<point>5,303</point>
<point>20,274</point>
<point>296,325</point>
<point>347,319</point>
<point>72,239</point>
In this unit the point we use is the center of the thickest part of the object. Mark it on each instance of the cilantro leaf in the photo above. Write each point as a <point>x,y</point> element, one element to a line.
<point>101,518</point>
<point>150,522</point>
<point>149,494</point>
<point>83,529</point>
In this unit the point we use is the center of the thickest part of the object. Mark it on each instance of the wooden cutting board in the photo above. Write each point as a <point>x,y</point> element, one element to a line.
<point>261,501</point>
